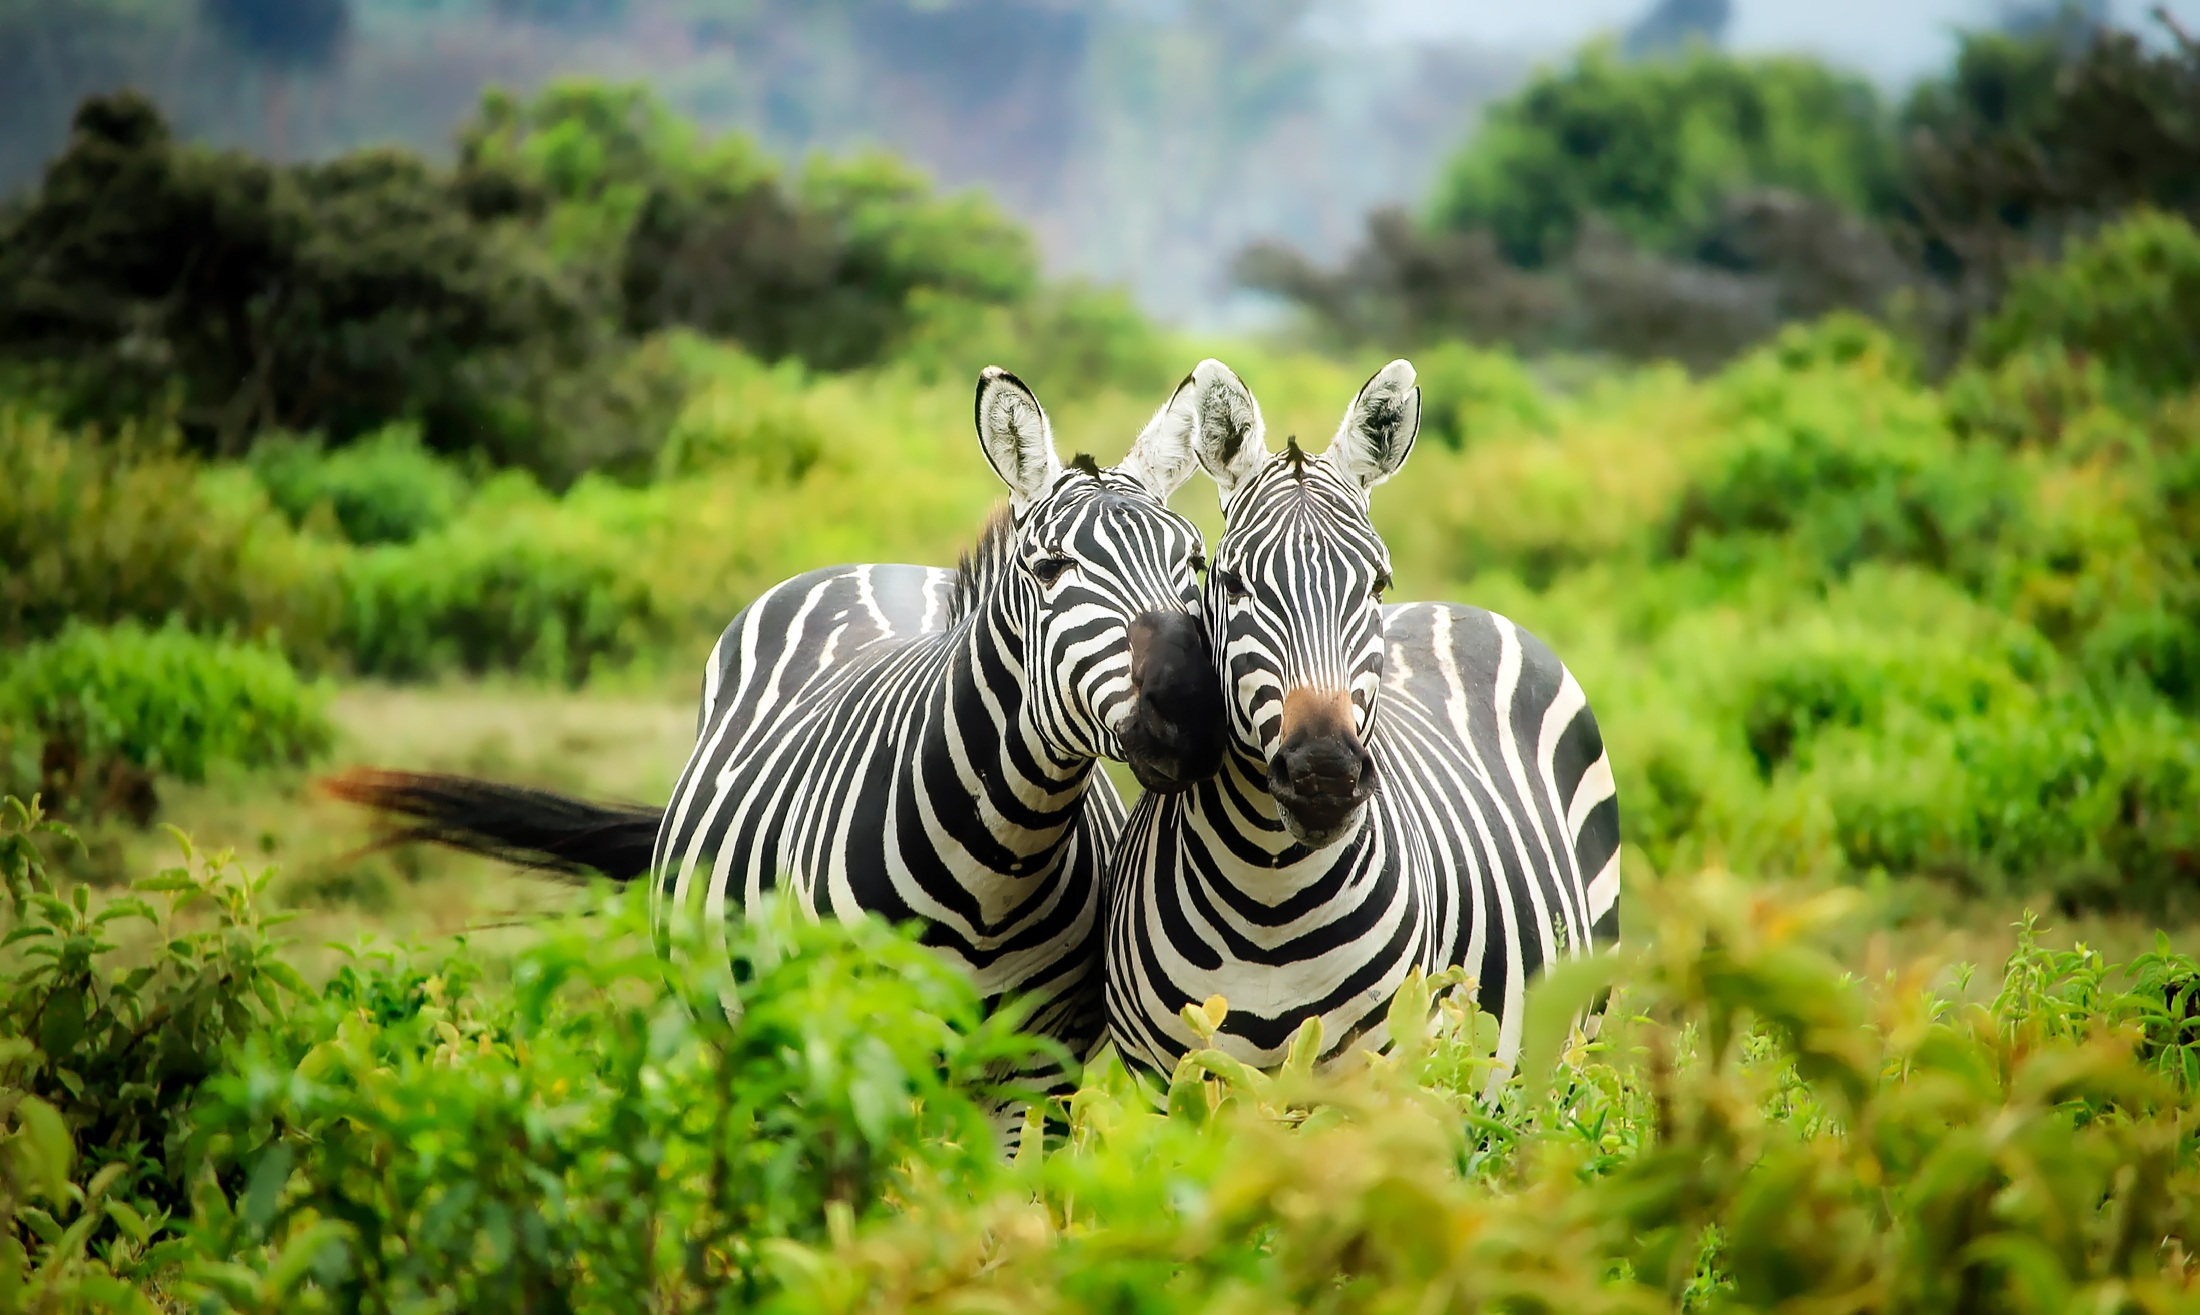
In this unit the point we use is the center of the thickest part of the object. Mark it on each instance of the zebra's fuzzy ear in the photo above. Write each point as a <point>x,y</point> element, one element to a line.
<point>1162,458</point>
<point>1379,427</point>
<point>1018,441</point>
<point>1228,436</point>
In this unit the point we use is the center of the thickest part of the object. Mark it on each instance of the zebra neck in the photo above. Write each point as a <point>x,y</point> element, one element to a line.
<point>1256,851</point>
<point>1026,795</point>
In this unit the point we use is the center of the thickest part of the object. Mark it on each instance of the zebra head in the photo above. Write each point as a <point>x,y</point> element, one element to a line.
<point>1295,597</point>
<point>1104,580</point>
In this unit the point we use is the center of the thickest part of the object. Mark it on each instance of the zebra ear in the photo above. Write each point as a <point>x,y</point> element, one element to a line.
<point>1227,435</point>
<point>1162,458</point>
<point>1018,441</point>
<point>1379,427</point>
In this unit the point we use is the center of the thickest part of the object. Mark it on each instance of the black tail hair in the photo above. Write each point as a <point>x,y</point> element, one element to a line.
<point>534,828</point>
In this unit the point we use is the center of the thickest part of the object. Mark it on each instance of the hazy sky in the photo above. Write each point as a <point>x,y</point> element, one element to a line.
<point>1892,40</point>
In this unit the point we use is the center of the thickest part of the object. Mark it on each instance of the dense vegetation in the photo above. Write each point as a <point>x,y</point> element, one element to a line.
<point>1682,208</point>
<point>1865,607</point>
<point>194,1123</point>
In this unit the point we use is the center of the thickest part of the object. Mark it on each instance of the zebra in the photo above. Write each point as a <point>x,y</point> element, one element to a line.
<point>920,743</point>
<point>1414,785</point>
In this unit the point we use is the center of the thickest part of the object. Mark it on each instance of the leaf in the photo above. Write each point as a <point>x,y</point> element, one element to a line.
<point>1306,1048</point>
<point>1555,1000</point>
<point>131,1222</point>
<point>48,1140</point>
<point>265,1188</point>
<point>298,1256</point>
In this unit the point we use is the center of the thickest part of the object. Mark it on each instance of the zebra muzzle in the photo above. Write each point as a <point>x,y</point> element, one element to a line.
<point>1322,771</point>
<point>1173,736</point>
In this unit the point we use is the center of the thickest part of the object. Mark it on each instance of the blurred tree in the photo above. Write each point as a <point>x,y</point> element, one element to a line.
<point>282,37</point>
<point>284,33</point>
<point>1672,24</point>
<point>1653,147</point>
<point>248,296</point>
<point>2032,139</point>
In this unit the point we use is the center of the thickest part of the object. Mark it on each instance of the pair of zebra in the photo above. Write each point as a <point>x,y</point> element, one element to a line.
<point>1336,791</point>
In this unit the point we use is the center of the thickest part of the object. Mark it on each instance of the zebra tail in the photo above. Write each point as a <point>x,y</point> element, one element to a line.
<point>540,829</point>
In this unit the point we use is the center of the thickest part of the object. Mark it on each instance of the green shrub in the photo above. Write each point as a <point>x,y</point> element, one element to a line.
<point>103,1051</point>
<point>163,702</point>
<point>384,488</point>
<point>555,589</point>
<point>1755,1125</point>
<point>579,1135</point>
<point>99,532</point>
<point>2092,804</point>
<point>2127,298</point>
<point>1845,466</point>
<point>1652,147</point>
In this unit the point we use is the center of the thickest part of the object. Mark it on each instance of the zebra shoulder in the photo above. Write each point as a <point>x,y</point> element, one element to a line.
<point>1433,645</point>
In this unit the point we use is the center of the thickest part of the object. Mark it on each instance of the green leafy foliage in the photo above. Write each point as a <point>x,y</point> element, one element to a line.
<point>1652,147</point>
<point>2126,301</point>
<point>105,1040</point>
<point>580,1135</point>
<point>385,488</point>
<point>92,714</point>
<point>572,1127</point>
<point>103,531</point>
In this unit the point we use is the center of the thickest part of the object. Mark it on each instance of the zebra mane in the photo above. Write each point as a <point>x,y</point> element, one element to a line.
<point>1296,455</point>
<point>979,561</point>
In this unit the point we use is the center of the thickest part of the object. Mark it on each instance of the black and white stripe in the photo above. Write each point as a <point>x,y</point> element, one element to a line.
<point>919,743</point>
<point>1412,786</point>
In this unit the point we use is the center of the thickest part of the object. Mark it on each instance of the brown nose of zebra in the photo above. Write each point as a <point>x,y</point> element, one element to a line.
<point>1322,772</point>
<point>1173,735</point>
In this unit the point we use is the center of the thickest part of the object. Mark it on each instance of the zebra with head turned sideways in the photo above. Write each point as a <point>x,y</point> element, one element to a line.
<point>1409,786</point>
<point>920,743</point>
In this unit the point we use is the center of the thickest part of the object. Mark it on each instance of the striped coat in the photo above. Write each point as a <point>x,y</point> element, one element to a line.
<point>1408,786</point>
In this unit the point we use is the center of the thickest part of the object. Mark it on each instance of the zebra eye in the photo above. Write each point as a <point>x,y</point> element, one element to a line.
<point>1233,584</point>
<point>1382,584</point>
<point>1049,569</point>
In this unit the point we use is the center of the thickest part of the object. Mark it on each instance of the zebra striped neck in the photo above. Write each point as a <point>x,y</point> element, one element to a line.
<point>1245,819</point>
<point>989,727</point>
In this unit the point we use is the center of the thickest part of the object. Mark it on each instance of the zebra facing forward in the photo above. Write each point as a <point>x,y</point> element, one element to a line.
<point>1412,786</point>
<point>919,743</point>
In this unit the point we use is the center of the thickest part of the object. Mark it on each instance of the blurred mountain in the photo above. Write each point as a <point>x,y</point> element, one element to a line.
<point>1143,140</point>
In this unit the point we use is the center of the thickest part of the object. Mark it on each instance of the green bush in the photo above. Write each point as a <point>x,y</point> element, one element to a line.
<point>1754,1125</point>
<point>163,702</point>
<point>581,1136</point>
<point>103,1052</point>
<point>102,531</point>
<point>553,588</point>
<point>2125,301</point>
<point>1838,467</point>
<point>1653,147</point>
<point>384,488</point>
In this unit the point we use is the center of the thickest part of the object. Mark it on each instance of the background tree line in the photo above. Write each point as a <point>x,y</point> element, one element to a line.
<point>1685,206</point>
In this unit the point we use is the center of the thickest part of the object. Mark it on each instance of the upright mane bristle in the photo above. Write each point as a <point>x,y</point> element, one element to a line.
<point>1296,455</point>
<point>971,567</point>
<point>1084,464</point>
